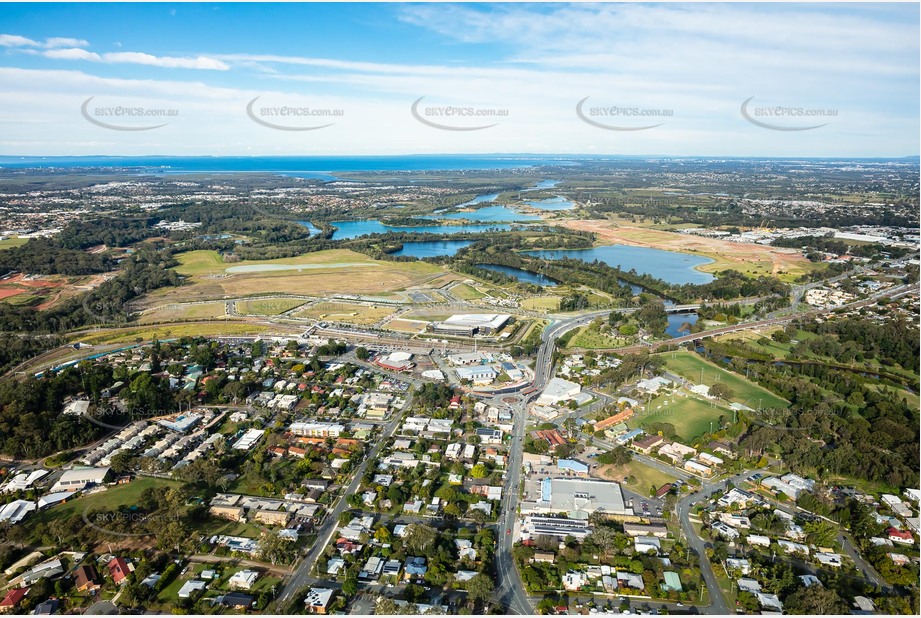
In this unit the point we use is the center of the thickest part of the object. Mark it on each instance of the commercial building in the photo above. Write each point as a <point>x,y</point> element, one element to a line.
<point>482,374</point>
<point>471,324</point>
<point>316,430</point>
<point>80,478</point>
<point>578,498</point>
<point>558,390</point>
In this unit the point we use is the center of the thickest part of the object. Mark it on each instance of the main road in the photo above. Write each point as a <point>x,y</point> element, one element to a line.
<point>301,576</point>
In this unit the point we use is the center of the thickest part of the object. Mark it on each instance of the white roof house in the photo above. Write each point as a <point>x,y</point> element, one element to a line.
<point>190,587</point>
<point>243,580</point>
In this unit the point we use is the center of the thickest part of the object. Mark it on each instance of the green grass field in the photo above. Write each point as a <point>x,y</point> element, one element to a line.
<point>170,331</point>
<point>466,292</point>
<point>113,497</point>
<point>694,368</point>
<point>270,306</point>
<point>15,241</point>
<point>690,416</point>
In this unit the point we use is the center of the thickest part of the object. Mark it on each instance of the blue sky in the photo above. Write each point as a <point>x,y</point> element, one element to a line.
<point>653,79</point>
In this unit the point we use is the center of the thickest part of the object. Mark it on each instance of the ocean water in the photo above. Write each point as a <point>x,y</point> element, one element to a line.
<point>303,166</point>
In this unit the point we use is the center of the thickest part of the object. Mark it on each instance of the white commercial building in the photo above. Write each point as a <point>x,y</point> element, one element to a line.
<point>558,390</point>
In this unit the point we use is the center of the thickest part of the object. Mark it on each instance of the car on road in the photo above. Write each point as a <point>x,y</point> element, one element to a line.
<point>508,531</point>
<point>680,604</point>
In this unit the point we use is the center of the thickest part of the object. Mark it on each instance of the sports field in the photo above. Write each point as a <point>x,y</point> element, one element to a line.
<point>694,368</point>
<point>689,416</point>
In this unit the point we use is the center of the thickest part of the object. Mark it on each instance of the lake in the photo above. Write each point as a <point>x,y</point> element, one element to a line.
<point>677,320</point>
<point>669,266</point>
<point>522,275</point>
<point>354,229</point>
<point>553,203</point>
<point>489,213</point>
<point>432,248</point>
<point>314,230</point>
<point>489,197</point>
<point>544,184</point>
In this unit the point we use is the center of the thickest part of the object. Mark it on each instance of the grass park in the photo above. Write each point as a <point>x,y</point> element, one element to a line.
<point>636,476</point>
<point>695,369</point>
<point>591,338</point>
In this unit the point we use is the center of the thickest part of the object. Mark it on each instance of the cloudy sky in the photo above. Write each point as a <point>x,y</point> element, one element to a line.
<point>354,79</point>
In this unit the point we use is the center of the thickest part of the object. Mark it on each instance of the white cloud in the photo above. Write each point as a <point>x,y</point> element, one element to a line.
<point>169,62</point>
<point>14,40</point>
<point>72,53</point>
<point>200,62</point>
<point>58,41</point>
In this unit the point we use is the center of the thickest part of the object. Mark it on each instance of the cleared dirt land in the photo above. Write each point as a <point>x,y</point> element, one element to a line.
<point>337,271</point>
<point>171,313</point>
<point>749,259</point>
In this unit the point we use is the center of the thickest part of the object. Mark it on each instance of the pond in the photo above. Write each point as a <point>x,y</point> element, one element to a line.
<point>678,268</point>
